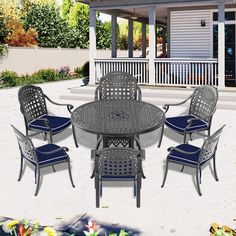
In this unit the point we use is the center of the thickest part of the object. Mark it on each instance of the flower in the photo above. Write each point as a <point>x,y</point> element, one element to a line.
<point>10,225</point>
<point>91,226</point>
<point>50,231</point>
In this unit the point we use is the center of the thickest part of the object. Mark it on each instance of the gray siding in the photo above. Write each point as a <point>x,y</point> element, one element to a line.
<point>187,37</point>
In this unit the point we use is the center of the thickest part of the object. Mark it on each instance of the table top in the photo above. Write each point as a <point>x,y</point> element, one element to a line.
<point>118,117</point>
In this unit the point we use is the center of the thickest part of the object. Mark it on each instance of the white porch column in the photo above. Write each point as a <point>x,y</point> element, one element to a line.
<point>152,43</point>
<point>143,39</point>
<point>92,44</point>
<point>130,37</point>
<point>221,44</point>
<point>114,36</point>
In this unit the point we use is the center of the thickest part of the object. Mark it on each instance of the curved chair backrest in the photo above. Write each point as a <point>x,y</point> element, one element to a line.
<point>117,86</point>
<point>209,146</point>
<point>203,102</point>
<point>26,146</point>
<point>32,102</point>
<point>117,162</point>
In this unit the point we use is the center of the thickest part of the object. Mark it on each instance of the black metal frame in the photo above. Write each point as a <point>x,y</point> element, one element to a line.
<point>200,107</point>
<point>206,153</point>
<point>132,166</point>
<point>28,153</point>
<point>33,105</point>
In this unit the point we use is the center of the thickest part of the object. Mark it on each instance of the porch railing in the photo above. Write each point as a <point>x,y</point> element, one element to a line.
<point>186,72</point>
<point>138,67</point>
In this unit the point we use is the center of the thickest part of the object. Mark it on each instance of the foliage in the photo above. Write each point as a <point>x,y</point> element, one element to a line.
<point>20,37</point>
<point>78,71</point>
<point>3,28</point>
<point>78,18</point>
<point>217,230</point>
<point>104,33</point>
<point>66,5</point>
<point>8,78</point>
<point>3,50</point>
<point>46,75</point>
<point>53,31</point>
<point>123,42</point>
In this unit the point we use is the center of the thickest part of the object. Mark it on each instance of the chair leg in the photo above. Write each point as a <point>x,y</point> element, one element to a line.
<point>138,191</point>
<point>197,178</point>
<point>54,170</point>
<point>38,180</point>
<point>182,169</point>
<point>50,137</point>
<point>35,174</point>
<point>135,188</point>
<point>97,191</point>
<point>164,180</point>
<point>69,169</point>
<point>161,137</point>
<point>200,174</point>
<point>74,136</point>
<point>214,166</point>
<point>185,137</point>
<point>21,168</point>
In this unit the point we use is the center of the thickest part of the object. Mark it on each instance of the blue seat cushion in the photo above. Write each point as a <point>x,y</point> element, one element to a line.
<point>179,124</point>
<point>191,159</point>
<point>56,157</point>
<point>56,123</point>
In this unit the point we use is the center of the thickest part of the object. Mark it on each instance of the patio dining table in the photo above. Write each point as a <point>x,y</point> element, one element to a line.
<point>118,119</point>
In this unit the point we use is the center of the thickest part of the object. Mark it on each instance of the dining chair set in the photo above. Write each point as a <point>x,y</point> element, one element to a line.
<point>118,157</point>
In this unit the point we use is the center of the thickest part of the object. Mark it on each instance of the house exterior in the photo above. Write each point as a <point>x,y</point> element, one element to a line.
<point>200,37</point>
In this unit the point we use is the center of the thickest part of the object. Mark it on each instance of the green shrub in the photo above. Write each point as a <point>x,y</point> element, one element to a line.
<point>28,79</point>
<point>45,75</point>
<point>78,71</point>
<point>8,78</point>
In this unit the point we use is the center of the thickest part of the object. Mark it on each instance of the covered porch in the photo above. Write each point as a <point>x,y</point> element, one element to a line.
<point>193,42</point>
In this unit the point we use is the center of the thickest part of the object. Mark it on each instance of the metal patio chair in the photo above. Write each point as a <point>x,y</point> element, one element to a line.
<point>34,109</point>
<point>40,157</point>
<point>118,85</point>
<point>201,109</point>
<point>195,157</point>
<point>118,164</point>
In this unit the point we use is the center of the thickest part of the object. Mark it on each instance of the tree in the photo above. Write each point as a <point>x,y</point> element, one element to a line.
<point>20,37</point>
<point>66,6</point>
<point>3,28</point>
<point>53,31</point>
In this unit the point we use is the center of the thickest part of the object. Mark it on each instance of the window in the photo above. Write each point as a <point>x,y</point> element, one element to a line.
<point>229,15</point>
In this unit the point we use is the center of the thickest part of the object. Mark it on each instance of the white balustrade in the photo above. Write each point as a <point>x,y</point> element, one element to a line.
<point>186,71</point>
<point>138,67</point>
<point>168,71</point>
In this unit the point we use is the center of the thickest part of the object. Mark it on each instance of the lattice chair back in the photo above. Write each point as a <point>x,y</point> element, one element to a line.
<point>32,102</point>
<point>26,146</point>
<point>117,162</point>
<point>118,86</point>
<point>203,102</point>
<point>209,146</point>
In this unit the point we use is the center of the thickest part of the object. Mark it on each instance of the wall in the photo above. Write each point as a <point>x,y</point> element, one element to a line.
<point>28,60</point>
<point>187,37</point>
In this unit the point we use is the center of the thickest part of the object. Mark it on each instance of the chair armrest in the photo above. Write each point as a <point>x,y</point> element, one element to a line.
<point>46,122</point>
<point>142,154</point>
<point>54,151</point>
<point>181,151</point>
<point>69,106</point>
<point>166,106</point>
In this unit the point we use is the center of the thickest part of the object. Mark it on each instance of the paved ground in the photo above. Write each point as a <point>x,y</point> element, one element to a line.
<point>175,210</point>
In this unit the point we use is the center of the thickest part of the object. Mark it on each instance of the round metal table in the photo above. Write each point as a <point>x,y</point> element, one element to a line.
<point>118,118</point>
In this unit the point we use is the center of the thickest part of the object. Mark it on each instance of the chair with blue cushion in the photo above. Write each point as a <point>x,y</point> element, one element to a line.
<point>195,157</point>
<point>34,109</point>
<point>118,164</point>
<point>201,109</point>
<point>40,157</point>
